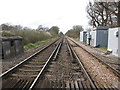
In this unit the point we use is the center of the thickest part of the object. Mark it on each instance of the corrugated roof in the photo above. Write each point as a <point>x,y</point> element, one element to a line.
<point>11,38</point>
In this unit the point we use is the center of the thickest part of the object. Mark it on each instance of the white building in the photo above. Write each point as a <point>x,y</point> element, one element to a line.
<point>83,36</point>
<point>113,36</point>
<point>0,27</point>
<point>99,37</point>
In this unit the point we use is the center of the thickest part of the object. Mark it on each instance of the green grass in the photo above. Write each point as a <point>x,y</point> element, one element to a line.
<point>104,48</point>
<point>77,39</point>
<point>33,45</point>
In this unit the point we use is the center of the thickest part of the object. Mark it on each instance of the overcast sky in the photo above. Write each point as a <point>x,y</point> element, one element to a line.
<point>31,13</point>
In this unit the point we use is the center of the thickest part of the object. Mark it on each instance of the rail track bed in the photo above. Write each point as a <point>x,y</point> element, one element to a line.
<point>64,72</point>
<point>24,74</point>
<point>61,65</point>
<point>56,66</point>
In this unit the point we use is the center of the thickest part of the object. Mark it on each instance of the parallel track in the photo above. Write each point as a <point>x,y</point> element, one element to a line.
<point>31,73</point>
<point>111,68</point>
<point>117,73</point>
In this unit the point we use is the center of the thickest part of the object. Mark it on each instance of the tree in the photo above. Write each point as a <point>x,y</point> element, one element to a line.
<point>75,31</point>
<point>8,27</point>
<point>61,34</point>
<point>54,30</point>
<point>103,13</point>
<point>118,14</point>
<point>40,27</point>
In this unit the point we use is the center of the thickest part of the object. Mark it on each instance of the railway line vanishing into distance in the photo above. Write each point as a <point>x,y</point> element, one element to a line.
<point>54,66</point>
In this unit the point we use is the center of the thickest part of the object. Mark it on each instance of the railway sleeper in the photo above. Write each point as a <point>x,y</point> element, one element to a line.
<point>34,66</point>
<point>24,76</point>
<point>29,70</point>
<point>72,85</point>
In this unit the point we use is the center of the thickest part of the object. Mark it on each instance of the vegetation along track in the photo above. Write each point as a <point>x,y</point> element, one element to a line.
<point>103,75</point>
<point>24,74</point>
<point>65,71</point>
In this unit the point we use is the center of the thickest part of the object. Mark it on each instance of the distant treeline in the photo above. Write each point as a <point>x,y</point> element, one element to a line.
<point>30,35</point>
<point>75,31</point>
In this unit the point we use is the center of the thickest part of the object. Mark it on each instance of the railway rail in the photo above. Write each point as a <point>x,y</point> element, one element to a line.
<point>65,71</point>
<point>116,73</point>
<point>36,71</point>
<point>23,74</point>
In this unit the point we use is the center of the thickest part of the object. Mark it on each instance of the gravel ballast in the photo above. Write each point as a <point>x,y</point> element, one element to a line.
<point>99,72</point>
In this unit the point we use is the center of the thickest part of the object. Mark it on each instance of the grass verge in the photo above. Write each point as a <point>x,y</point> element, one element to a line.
<point>33,45</point>
<point>104,48</point>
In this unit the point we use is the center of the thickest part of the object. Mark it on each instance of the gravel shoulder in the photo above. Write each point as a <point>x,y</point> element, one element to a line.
<point>97,70</point>
<point>112,60</point>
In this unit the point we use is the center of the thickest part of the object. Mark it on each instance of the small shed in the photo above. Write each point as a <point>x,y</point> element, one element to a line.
<point>83,36</point>
<point>11,46</point>
<point>113,36</point>
<point>99,37</point>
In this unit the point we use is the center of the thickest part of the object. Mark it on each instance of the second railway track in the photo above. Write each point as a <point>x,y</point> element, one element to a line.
<point>105,76</point>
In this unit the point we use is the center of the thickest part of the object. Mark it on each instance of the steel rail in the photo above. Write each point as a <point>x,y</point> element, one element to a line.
<point>56,50</point>
<point>22,62</point>
<point>71,54</point>
<point>83,68</point>
<point>116,72</point>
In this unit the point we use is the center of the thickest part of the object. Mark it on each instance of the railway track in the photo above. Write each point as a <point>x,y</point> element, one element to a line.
<point>24,74</point>
<point>108,68</point>
<point>56,66</point>
<point>65,71</point>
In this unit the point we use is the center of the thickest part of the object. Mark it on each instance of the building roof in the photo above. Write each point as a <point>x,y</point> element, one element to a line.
<point>100,28</point>
<point>10,38</point>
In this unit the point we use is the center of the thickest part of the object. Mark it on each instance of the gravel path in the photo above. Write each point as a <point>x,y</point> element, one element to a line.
<point>109,59</point>
<point>98,71</point>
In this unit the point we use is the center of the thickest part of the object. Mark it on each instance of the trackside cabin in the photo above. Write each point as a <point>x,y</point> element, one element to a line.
<point>11,46</point>
<point>99,37</point>
<point>113,36</point>
<point>83,36</point>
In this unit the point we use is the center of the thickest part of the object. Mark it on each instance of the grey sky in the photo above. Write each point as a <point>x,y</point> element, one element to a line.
<point>31,13</point>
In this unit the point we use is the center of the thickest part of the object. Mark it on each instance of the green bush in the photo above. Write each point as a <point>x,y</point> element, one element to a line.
<point>33,45</point>
<point>31,36</point>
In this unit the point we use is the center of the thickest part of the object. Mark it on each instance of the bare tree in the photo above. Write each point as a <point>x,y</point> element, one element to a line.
<point>118,14</point>
<point>103,13</point>
<point>75,31</point>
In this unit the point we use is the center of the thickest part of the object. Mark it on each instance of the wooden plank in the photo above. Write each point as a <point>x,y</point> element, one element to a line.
<point>67,85</point>
<point>84,85</point>
<point>76,85</point>
<point>63,85</point>
<point>72,86</point>
<point>30,70</point>
<point>59,84</point>
<point>80,85</point>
